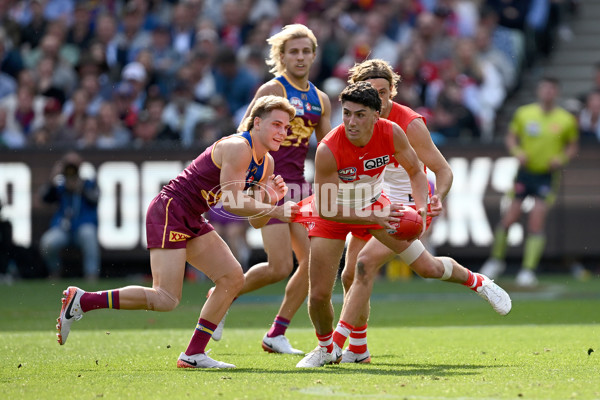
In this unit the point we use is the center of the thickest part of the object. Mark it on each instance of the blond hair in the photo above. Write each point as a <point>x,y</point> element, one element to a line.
<point>373,69</point>
<point>278,41</point>
<point>264,105</point>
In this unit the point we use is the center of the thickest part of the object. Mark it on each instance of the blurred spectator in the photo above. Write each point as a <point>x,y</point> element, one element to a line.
<point>76,219</point>
<point>165,60</point>
<point>111,132</point>
<point>63,73</point>
<point>186,118</point>
<point>450,118</point>
<point>589,118</point>
<point>411,91</point>
<point>11,61</point>
<point>437,44</point>
<point>382,47</point>
<point>508,40</point>
<point>80,33</point>
<point>88,136</point>
<point>90,83</point>
<point>150,130</point>
<point>487,79</point>
<point>201,76</point>
<point>106,40</point>
<point>233,81</point>
<point>11,30</point>
<point>290,12</point>
<point>124,97</point>
<point>136,76</point>
<point>403,17</point>
<point>23,109</point>
<point>8,85</point>
<point>160,12</point>
<point>131,37</point>
<point>594,84</point>
<point>51,129</point>
<point>207,41</point>
<point>358,51</point>
<point>75,112</point>
<point>235,28</point>
<point>10,137</point>
<point>183,29</point>
<point>32,33</point>
<point>486,52</point>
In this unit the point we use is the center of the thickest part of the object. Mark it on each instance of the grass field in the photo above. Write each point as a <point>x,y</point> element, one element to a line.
<point>429,340</point>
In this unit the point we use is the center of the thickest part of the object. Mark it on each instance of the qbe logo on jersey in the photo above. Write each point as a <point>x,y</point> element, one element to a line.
<point>375,163</point>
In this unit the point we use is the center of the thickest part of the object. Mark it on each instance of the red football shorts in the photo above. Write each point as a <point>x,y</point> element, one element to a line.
<point>324,228</point>
<point>169,225</point>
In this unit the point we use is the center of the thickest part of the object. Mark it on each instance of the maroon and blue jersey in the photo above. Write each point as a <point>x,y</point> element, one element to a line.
<point>199,185</point>
<point>289,159</point>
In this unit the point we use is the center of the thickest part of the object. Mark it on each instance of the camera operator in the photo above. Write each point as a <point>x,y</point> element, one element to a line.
<point>76,220</point>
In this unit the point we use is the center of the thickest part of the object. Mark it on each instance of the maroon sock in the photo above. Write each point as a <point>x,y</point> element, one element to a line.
<point>279,326</point>
<point>201,336</point>
<point>95,300</point>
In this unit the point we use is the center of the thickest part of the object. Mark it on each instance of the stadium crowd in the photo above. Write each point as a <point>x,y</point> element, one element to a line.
<point>130,74</point>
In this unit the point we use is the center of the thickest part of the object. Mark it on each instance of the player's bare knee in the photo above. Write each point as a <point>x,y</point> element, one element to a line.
<point>233,281</point>
<point>365,269</point>
<point>159,299</point>
<point>347,279</point>
<point>280,269</point>
<point>319,296</point>
<point>430,268</point>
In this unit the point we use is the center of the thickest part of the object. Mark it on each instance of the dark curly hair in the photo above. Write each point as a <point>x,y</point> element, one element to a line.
<point>362,93</point>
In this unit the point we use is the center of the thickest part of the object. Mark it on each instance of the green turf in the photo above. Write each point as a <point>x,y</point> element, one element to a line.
<point>429,340</point>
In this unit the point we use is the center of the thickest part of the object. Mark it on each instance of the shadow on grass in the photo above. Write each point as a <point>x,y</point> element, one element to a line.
<point>433,370</point>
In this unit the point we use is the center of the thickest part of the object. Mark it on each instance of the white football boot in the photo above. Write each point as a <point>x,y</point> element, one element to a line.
<point>69,312</point>
<point>319,357</point>
<point>279,344</point>
<point>495,295</point>
<point>200,360</point>
<point>352,357</point>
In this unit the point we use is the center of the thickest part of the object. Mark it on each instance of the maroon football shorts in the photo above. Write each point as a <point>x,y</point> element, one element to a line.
<point>169,225</point>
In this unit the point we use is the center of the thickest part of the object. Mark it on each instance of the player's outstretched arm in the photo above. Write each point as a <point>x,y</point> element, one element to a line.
<point>420,139</point>
<point>407,157</point>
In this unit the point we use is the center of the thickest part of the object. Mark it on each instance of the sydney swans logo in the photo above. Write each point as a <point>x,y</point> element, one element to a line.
<point>229,196</point>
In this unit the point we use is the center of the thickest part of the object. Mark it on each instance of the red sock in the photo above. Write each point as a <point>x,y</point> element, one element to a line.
<point>95,300</point>
<point>326,341</point>
<point>341,333</point>
<point>473,281</point>
<point>200,338</point>
<point>358,340</point>
<point>279,326</point>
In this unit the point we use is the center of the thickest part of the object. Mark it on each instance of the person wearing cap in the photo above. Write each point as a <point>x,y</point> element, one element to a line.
<point>136,75</point>
<point>75,221</point>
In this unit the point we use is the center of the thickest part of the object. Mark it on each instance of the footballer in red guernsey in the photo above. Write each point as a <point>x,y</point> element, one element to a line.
<point>341,204</point>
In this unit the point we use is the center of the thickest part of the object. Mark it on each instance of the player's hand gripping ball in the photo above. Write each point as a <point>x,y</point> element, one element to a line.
<point>409,227</point>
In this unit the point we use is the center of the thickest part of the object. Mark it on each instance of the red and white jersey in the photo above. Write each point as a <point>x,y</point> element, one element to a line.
<point>360,169</point>
<point>396,180</point>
